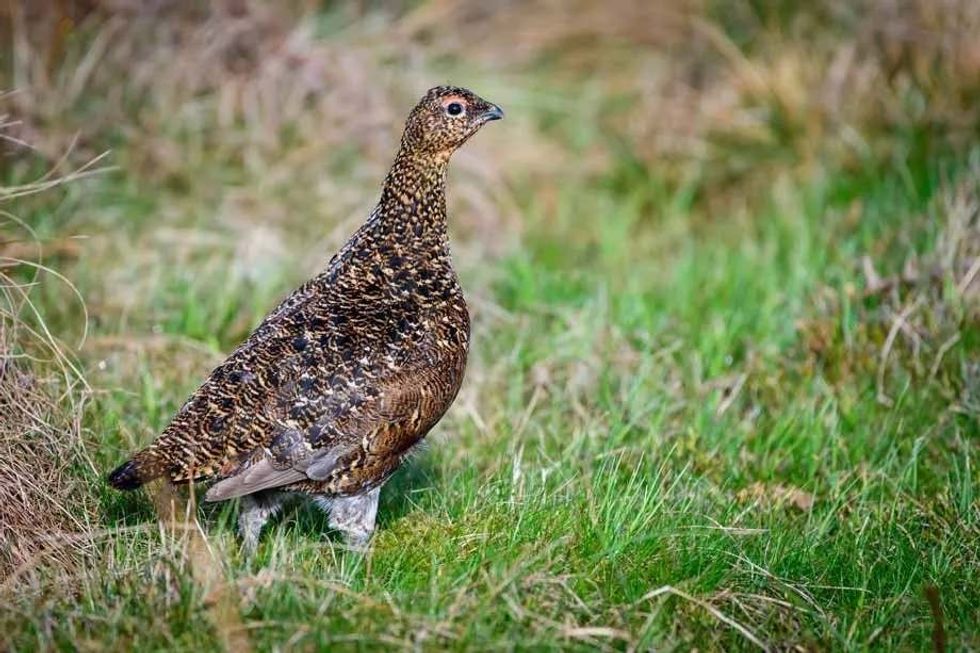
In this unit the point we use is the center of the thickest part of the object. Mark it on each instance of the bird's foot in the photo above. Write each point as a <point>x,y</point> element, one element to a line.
<point>358,542</point>
<point>354,517</point>
<point>255,510</point>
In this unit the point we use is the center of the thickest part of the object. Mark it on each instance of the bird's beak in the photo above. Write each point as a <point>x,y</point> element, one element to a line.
<point>493,112</point>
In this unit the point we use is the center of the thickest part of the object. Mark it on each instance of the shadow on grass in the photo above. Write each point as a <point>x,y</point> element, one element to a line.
<point>399,497</point>
<point>403,492</point>
<point>125,508</point>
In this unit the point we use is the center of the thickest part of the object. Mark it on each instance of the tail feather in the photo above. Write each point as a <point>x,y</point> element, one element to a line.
<point>143,467</point>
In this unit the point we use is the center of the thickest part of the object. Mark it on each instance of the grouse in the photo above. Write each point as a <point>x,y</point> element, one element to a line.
<point>335,387</point>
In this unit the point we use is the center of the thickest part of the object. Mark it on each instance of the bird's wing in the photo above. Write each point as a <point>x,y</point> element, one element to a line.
<point>293,368</point>
<point>260,476</point>
<point>347,450</point>
<point>264,475</point>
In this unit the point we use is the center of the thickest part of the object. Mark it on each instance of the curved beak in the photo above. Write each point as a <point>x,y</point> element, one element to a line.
<point>493,112</point>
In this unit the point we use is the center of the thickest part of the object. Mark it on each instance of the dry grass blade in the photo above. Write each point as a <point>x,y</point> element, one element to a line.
<point>712,610</point>
<point>85,170</point>
<point>900,320</point>
<point>938,629</point>
<point>179,516</point>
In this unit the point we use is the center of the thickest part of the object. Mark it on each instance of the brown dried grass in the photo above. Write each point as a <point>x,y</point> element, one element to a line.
<point>668,82</point>
<point>238,75</point>
<point>43,508</point>
<point>912,310</point>
<point>42,396</point>
<point>251,83</point>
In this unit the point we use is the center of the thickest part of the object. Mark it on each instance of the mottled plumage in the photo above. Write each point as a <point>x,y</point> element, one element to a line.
<point>350,371</point>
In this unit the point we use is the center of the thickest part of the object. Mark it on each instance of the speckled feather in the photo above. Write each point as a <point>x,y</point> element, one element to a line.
<point>351,370</point>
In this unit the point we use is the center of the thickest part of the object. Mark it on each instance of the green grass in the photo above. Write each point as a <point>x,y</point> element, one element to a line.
<point>670,436</point>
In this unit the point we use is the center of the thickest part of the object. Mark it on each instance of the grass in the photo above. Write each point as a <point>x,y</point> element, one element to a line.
<point>723,391</point>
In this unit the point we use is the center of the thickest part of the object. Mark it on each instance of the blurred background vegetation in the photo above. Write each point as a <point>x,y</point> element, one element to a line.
<point>722,263</point>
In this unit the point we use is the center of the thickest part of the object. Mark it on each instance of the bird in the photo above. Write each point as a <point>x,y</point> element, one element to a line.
<point>346,376</point>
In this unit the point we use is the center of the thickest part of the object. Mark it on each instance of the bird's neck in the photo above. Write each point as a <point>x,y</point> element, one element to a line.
<point>413,201</point>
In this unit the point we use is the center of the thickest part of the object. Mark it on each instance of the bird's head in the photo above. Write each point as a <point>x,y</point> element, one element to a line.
<point>445,118</point>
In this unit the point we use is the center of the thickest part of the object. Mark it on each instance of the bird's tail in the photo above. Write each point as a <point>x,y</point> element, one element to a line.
<point>142,468</point>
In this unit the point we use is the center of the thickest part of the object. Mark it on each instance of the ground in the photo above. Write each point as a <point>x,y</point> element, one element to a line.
<point>724,390</point>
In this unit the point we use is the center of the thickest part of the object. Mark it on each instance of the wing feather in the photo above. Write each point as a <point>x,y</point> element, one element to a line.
<point>264,475</point>
<point>260,476</point>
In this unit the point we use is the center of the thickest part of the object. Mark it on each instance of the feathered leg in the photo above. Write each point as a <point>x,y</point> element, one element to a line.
<point>353,516</point>
<point>255,510</point>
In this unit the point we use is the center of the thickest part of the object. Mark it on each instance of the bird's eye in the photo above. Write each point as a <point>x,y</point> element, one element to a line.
<point>454,108</point>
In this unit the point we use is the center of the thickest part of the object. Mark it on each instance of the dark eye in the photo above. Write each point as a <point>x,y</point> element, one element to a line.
<point>454,108</point>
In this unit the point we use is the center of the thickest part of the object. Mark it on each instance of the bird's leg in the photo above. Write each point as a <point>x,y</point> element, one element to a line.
<point>255,510</point>
<point>353,516</point>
